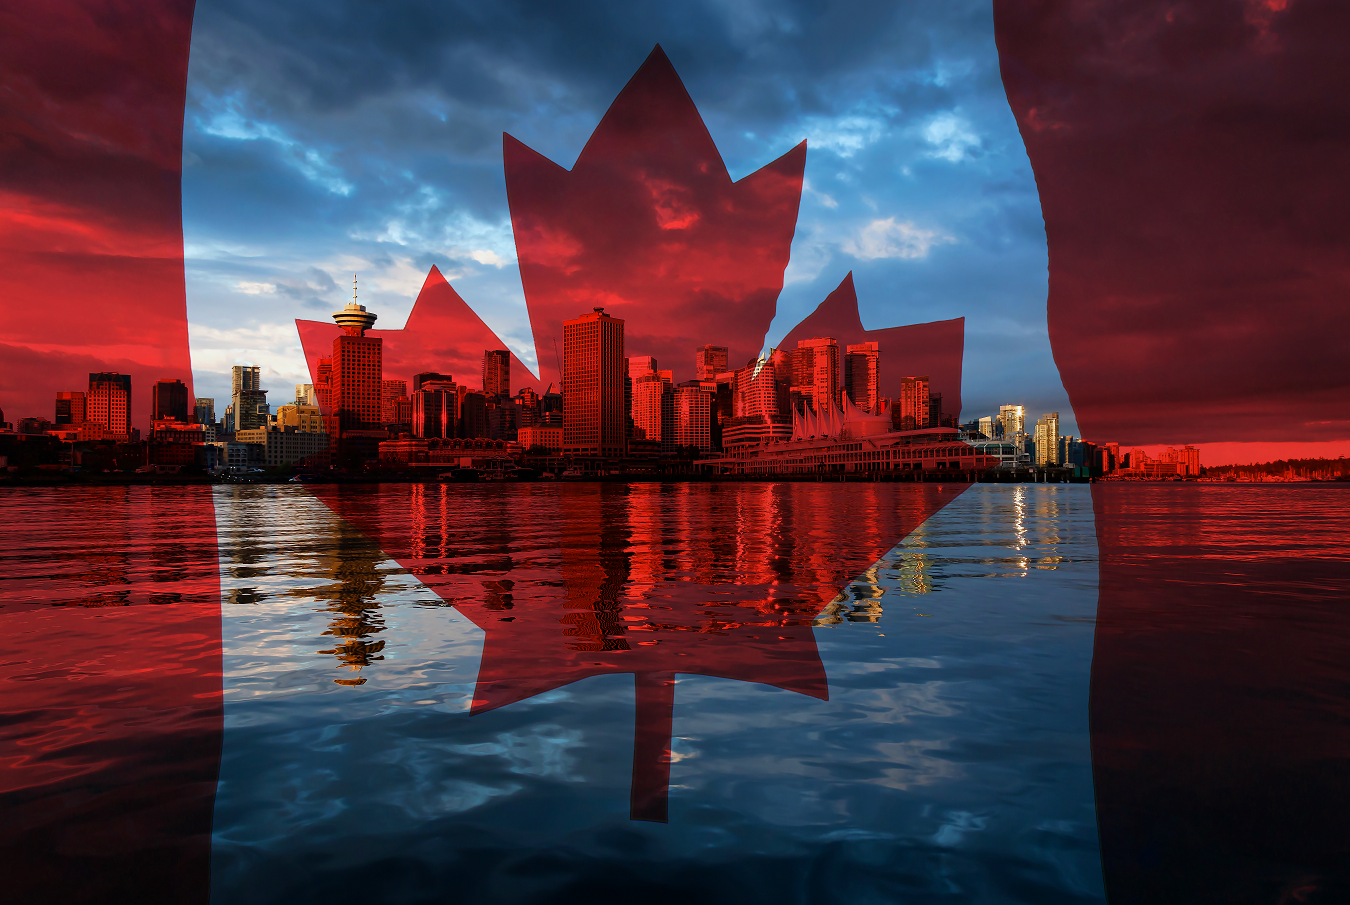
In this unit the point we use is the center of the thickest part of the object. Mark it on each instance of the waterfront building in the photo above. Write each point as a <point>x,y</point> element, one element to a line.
<point>496,372</point>
<point>710,361</point>
<point>549,439</point>
<point>594,419</point>
<point>286,445</point>
<point>862,377</point>
<point>307,419</point>
<point>357,371</point>
<point>108,402</point>
<point>70,408</point>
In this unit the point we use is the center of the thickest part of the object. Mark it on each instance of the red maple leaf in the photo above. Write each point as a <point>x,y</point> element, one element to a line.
<point>648,224</point>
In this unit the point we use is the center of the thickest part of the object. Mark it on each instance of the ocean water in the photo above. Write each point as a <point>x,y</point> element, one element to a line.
<point>744,693</point>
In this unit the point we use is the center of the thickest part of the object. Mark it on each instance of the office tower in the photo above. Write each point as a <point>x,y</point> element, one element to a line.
<point>248,400</point>
<point>693,416</point>
<point>760,402</point>
<point>391,391</point>
<point>818,370</point>
<point>862,380</point>
<point>910,410</point>
<point>1047,440</point>
<point>1013,418</point>
<point>108,402</point>
<point>357,366</point>
<point>986,427</point>
<point>305,395</point>
<point>435,410</point>
<point>70,407</point>
<point>593,385</point>
<point>496,372</point>
<point>709,362</point>
<point>551,407</point>
<point>205,410</point>
<point>169,400</point>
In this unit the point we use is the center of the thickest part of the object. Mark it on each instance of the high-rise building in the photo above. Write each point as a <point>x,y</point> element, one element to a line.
<point>594,419</point>
<point>862,378</point>
<point>473,419</point>
<point>248,400</point>
<point>527,401</point>
<point>652,401</point>
<point>305,395</point>
<point>910,410</point>
<point>496,372</point>
<point>323,387</point>
<point>391,393</point>
<point>986,427</point>
<point>205,410</point>
<point>70,407</point>
<point>1047,442</point>
<point>818,371</point>
<point>435,410</point>
<point>357,364</point>
<point>760,402</point>
<point>709,362</point>
<point>693,415</point>
<point>108,402</point>
<point>169,401</point>
<point>1013,418</point>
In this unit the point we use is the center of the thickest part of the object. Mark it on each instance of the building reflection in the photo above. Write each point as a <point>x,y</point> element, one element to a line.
<point>654,580</point>
<point>353,564</point>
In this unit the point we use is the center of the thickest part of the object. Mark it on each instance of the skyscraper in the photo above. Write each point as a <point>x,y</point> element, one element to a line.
<point>1013,418</point>
<point>205,410</point>
<point>1047,440</point>
<point>709,362</point>
<point>816,371</point>
<point>862,380</point>
<point>109,402</point>
<point>496,372</point>
<point>391,393</point>
<point>910,411</point>
<point>169,400</point>
<point>248,400</point>
<point>357,365</point>
<point>693,416</point>
<point>593,385</point>
<point>652,402</point>
<point>70,407</point>
<point>435,410</point>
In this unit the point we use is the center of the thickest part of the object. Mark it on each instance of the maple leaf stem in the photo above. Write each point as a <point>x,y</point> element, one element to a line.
<point>651,745</point>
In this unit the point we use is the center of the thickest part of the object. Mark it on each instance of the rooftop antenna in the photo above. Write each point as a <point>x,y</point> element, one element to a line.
<point>353,289</point>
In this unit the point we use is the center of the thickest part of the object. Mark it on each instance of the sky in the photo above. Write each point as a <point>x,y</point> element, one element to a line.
<point>326,139</point>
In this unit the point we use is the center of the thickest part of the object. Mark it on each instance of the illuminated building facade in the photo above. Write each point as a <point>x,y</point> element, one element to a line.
<point>70,407</point>
<point>862,378</point>
<point>910,410</point>
<point>594,366</point>
<point>108,402</point>
<point>496,372</point>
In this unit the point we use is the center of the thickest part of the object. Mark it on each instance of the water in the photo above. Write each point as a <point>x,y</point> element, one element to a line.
<point>778,693</point>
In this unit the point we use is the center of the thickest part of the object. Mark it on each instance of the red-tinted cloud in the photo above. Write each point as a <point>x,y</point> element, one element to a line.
<point>91,238</point>
<point>1191,165</point>
<point>649,225</point>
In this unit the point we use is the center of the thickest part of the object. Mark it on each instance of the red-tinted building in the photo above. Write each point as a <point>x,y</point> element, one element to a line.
<point>169,401</point>
<point>594,368</point>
